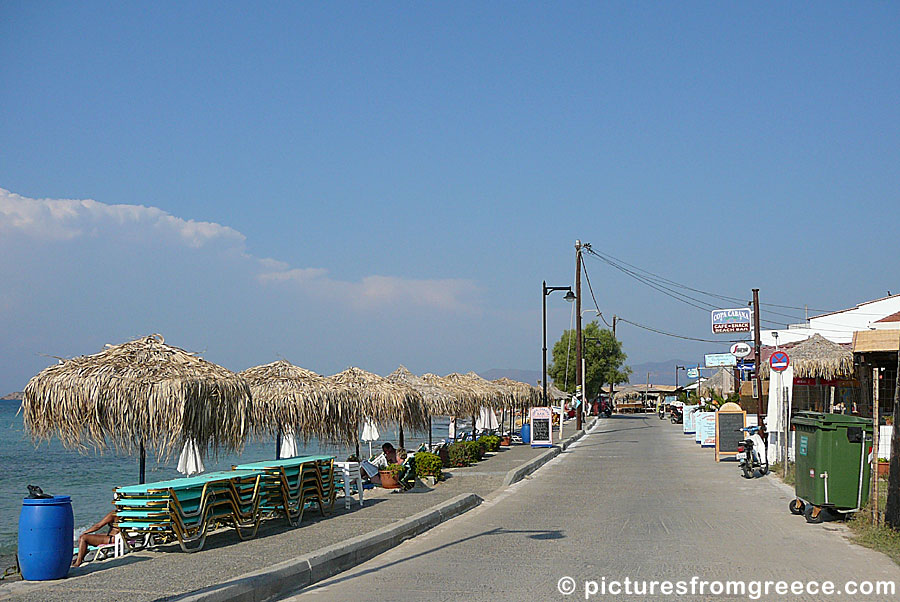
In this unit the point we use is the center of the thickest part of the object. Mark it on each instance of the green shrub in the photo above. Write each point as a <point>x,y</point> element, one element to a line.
<point>490,442</point>
<point>394,469</point>
<point>428,465</point>
<point>464,453</point>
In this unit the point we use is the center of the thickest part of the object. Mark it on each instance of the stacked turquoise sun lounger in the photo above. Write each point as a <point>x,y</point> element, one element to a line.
<point>186,510</point>
<point>292,484</point>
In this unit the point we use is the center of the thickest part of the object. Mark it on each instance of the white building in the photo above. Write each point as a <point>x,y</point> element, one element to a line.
<point>839,326</point>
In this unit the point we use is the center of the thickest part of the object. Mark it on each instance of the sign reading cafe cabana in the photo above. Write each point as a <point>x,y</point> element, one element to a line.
<point>731,320</point>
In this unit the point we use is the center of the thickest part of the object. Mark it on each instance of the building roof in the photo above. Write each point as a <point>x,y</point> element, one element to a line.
<point>891,318</point>
<point>876,340</point>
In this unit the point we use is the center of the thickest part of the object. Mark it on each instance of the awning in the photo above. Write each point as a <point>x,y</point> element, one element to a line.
<point>865,341</point>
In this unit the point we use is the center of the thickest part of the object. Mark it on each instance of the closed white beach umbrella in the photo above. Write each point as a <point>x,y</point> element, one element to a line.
<point>370,433</point>
<point>451,429</point>
<point>288,444</point>
<point>190,462</point>
<point>487,419</point>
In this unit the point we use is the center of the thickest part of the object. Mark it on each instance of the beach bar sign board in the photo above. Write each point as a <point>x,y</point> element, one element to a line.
<point>541,432</point>
<point>731,320</point>
<point>714,360</point>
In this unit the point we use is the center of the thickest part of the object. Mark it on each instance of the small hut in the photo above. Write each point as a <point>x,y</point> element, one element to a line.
<point>823,374</point>
<point>721,383</point>
<point>139,394</point>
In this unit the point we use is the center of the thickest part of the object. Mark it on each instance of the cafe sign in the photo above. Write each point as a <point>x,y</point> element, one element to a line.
<point>731,320</point>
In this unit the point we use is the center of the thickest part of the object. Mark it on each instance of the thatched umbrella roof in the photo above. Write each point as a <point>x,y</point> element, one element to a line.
<point>376,398</point>
<point>554,392</point>
<point>288,397</point>
<point>143,392</point>
<point>484,391</point>
<point>817,357</point>
<point>466,400</point>
<point>439,400</point>
<point>520,393</point>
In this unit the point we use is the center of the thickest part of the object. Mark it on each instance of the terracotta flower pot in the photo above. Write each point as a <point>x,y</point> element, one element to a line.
<point>884,468</point>
<point>505,441</point>
<point>388,480</point>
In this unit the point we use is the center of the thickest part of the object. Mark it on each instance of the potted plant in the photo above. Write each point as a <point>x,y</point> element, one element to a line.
<point>884,467</point>
<point>389,476</point>
<point>505,441</point>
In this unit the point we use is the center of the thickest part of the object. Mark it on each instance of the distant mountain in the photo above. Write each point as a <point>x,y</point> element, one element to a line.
<point>13,396</point>
<point>526,376</point>
<point>661,373</point>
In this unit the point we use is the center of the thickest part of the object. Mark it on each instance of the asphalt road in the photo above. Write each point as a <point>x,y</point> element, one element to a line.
<point>633,499</point>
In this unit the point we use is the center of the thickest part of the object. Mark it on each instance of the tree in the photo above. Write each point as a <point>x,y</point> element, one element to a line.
<point>603,360</point>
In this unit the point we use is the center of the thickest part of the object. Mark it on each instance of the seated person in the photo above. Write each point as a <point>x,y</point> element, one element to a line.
<point>370,469</point>
<point>91,538</point>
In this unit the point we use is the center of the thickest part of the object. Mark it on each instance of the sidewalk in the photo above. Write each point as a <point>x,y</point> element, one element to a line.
<point>145,575</point>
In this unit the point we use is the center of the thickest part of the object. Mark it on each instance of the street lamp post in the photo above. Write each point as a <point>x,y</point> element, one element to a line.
<point>677,368</point>
<point>570,296</point>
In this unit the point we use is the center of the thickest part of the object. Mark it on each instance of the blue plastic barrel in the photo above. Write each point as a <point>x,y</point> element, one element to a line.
<point>526,433</point>
<point>46,534</point>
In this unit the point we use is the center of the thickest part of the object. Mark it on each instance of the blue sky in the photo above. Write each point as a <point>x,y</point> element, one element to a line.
<point>370,184</point>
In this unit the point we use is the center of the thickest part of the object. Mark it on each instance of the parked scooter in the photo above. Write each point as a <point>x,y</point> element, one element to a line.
<point>606,409</point>
<point>661,411</point>
<point>752,452</point>
<point>677,415</point>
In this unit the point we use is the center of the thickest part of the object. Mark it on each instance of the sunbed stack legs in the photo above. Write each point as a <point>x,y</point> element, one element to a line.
<point>186,510</point>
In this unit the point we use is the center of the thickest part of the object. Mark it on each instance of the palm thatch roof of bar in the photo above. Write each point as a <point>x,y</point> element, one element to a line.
<point>142,391</point>
<point>520,393</point>
<point>467,400</point>
<point>376,398</point>
<point>722,382</point>
<point>286,396</point>
<point>439,400</point>
<point>817,357</point>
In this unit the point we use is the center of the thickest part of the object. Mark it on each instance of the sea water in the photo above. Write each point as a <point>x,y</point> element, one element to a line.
<point>89,478</point>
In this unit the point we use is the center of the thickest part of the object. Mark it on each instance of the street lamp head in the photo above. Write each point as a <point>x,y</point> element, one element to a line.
<point>570,296</point>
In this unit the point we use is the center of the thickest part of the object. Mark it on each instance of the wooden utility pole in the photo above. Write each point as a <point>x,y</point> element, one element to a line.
<point>892,509</point>
<point>876,419</point>
<point>757,348</point>
<point>579,375</point>
<point>612,386</point>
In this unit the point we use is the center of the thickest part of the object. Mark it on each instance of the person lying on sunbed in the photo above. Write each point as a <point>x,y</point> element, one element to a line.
<point>92,538</point>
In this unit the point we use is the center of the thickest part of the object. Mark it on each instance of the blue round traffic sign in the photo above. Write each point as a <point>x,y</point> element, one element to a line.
<point>779,361</point>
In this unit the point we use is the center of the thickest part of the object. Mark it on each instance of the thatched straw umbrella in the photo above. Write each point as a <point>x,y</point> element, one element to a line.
<point>137,394</point>
<point>378,399</point>
<point>521,395</point>
<point>817,357</point>
<point>288,398</point>
<point>486,393</point>
<point>437,400</point>
<point>722,382</point>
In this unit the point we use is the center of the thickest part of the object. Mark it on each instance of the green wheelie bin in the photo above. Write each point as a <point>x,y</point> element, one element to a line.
<point>831,463</point>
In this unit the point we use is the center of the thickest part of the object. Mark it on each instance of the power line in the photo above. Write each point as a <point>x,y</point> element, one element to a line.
<point>678,336</point>
<point>590,288</point>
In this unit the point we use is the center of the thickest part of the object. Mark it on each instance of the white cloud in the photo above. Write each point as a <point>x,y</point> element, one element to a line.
<point>69,219</point>
<point>44,220</point>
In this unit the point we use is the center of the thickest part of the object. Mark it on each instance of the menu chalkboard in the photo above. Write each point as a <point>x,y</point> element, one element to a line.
<point>727,434</point>
<point>541,433</point>
<point>541,429</point>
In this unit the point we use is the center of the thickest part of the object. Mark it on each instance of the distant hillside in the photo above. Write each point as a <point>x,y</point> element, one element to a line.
<point>526,376</point>
<point>661,373</point>
<point>13,396</point>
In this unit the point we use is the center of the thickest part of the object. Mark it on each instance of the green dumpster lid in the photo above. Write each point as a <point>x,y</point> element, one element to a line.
<point>822,420</point>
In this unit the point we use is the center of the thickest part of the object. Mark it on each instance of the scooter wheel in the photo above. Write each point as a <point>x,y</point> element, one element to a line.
<point>796,507</point>
<point>814,514</point>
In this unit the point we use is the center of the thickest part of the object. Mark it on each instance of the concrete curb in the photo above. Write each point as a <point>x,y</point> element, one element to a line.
<point>323,563</point>
<point>517,474</point>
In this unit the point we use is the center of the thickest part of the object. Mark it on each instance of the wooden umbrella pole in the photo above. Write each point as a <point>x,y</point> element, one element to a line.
<point>143,464</point>
<point>278,443</point>
<point>400,438</point>
<point>429,432</point>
